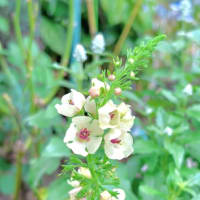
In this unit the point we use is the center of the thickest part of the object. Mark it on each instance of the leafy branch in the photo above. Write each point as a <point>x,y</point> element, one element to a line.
<point>137,59</point>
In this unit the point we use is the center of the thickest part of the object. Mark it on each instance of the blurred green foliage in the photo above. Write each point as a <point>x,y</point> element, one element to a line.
<point>164,166</point>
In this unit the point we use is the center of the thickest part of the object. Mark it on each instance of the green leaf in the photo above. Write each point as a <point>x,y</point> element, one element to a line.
<point>146,147</point>
<point>150,191</point>
<point>194,180</point>
<point>3,3</point>
<point>53,35</point>
<point>160,118</point>
<point>4,25</point>
<point>41,166</point>
<point>58,189</point>
<point>194,112</point>
<point>176,151</point>
<point>45,118</point>
<point>196,197</point>
<point>43,77</point>
<point>56,148</point>
<point>7,183</point>
<point>169,96</point>
<point>132,96</point>
<point>194,150</point>
<point>194,35</point>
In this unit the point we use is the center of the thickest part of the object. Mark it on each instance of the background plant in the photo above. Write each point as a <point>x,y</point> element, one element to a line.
<point>37,38</point>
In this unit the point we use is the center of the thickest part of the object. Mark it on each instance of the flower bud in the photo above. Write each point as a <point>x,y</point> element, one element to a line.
<point>80,53</point>
<point>85,172</point>
<point>131,60</point>
<point>73,183</point>
<point>118,91</point>
<point>105,195</point>
<point>98,44</point>
<point>132,74</point>
<point>111,77</point>
<point>94,92</point>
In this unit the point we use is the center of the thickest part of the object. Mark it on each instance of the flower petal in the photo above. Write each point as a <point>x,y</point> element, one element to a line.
<point>78,99</point>
<point>93,144</point>
<point>82,121</point>
<point>78,147</point>
<point>70,133</point>
<point>90,106</point>
<point>66,110</point>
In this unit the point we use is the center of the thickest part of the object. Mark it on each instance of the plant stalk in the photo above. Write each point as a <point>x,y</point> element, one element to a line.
<point>18,175</point>
<point>127,27</point>
<point>91,17</point>
<point>16,21</point>
<point>66,54</point>
<point>29,59</point>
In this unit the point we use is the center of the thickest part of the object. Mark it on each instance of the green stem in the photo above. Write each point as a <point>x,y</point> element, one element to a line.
<point>91,166</point>
<point>66,54</point>
<point>29,59</point>
<point>69,36</point>
<point>18,175</point>
<point>16,21</point>
<point>127,27</point>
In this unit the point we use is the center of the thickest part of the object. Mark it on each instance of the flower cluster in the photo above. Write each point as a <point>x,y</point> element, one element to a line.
<point>105,195</point>
<point>89,124</point>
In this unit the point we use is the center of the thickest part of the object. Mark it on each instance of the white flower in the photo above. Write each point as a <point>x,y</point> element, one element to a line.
<point>188,90</point>
<point>73,183</point>
<point>72,194</point>
<point>109,116</point>
<point>126,118</point>
<point>190,163</point>
<point>168,131</point>
<point>118,144</point>
<point>90,106</point>
<point>96,87</point>
<point>83,136</point>
<point>148,110</point>
<point>121,194</point>
<point>113,116</point>
<point>99,84</point>
<point>85,172</point>
<point>105,195</point>
<point>98,44</point>
<point>80,53</point>
<point>144,168</point>
<point>71,104</point>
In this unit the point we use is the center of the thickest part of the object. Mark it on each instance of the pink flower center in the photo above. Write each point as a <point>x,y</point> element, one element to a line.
<point>115,141</point>
<point>112,115</point>
<point>71,102</point>
<point>84,134</point>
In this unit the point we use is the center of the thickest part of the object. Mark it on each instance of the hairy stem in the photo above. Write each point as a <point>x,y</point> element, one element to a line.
<point>18,175</point>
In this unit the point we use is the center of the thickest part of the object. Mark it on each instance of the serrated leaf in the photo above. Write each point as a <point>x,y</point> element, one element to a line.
<point>176,151</point>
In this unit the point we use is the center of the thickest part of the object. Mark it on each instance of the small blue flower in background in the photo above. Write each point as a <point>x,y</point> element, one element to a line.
<point>161,11</point>
<point>182,10</point>
<point>138,131</point>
